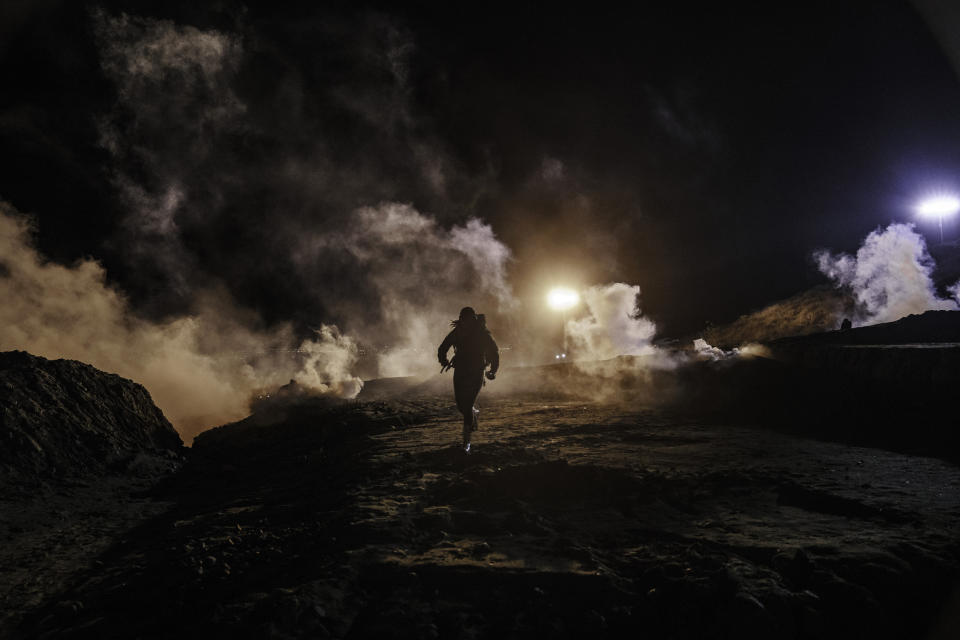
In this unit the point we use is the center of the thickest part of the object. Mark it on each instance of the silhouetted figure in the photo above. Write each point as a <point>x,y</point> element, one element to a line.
<point>846,325</point>
<point>474,349</point>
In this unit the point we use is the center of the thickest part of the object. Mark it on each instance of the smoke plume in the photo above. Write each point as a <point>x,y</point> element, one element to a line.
<point>201,369</point>
<point>420,274</point>
<point>269,232</point>
<point>305,221</point>
<point>613,325</point>
<point>178,137</point>
<point>890,277</point>
<point>706,351</point>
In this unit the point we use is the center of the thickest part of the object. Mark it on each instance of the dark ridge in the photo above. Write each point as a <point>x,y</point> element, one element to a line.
<point>925,328</point>
<point>63,418</point>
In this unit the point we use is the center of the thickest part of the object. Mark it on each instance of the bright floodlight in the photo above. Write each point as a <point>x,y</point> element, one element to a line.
<point>939,206</point>
<point>562,299</point>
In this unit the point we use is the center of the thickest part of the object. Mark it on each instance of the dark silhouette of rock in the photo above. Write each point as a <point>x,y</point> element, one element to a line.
<point>63,418</point>
<point>846,325</point>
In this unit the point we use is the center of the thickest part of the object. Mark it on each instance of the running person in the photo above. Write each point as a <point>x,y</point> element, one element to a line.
<point>474,349</point>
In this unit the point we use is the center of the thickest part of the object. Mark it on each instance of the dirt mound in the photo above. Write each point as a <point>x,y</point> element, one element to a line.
<point>62,418</point>
<point>812,311</point>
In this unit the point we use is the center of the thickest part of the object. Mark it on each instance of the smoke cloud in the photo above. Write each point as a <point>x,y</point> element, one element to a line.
<point>179,137</point>
<point>256,247</point>
<point>247,190</point>
<point>706,351</point>
<point>420,274</point>
<point>613,325</point>
<point>954,290</point>
<point>201,369</point>
<point>223,160</point>
<point>890,276</point>
<point>175,106</point>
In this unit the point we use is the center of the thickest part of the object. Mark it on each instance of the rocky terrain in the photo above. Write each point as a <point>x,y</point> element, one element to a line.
<point>679,506</point>
<point>78,447</point>
<point>63,418</point>
<point>366,520</point>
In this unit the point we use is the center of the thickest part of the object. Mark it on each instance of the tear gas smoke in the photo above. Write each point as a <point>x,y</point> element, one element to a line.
<point>201,369</point>
<point>177,121</point>
<point>179,137</point>
<point>420,273</point>
<point>388,274</point>
<point>174,98</point>
<point>889,276</point>
<point>704,350</point>
<point>613,325</point>
<point>611,356</point>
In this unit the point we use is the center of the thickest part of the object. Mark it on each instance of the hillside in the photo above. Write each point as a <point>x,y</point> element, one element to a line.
<point>63,418</point>
<point>813,311</point>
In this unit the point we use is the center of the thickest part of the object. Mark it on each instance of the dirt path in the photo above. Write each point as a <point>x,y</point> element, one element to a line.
<point>568,518</point>
<point>53,533</point>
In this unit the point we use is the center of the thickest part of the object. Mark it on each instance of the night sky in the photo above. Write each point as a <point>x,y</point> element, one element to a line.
<point>702,154</point>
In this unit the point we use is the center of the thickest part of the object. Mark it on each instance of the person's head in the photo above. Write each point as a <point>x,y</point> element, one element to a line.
<point>467,319</point>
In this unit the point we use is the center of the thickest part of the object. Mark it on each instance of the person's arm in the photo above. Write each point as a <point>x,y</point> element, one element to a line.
<point>444,348</point>
<point>492,354</point>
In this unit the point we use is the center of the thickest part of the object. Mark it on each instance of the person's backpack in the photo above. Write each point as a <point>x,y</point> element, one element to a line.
<point>472,346</point>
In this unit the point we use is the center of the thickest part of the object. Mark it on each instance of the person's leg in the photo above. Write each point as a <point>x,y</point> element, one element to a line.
<point>464,403</point>
<point>466,386</point>
<point>461,391</point>
<point>476,382</point>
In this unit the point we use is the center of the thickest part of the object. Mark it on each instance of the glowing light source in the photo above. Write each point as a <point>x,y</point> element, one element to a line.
<point>939,207</point>
<point>562,299</point>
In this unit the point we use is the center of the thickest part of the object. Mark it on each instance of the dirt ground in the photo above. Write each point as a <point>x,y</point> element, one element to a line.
<point>568,518</point>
